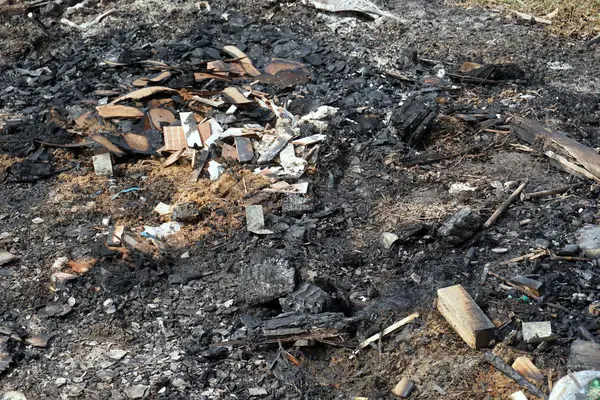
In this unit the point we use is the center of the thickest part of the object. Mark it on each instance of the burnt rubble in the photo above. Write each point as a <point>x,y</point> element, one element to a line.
<point>287,200</point>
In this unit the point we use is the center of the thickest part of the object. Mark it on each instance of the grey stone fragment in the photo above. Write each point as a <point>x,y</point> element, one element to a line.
<point>258,391</point>
<point>296,205</point>
<point>460,227</point>
<point>186,212</point>
<point>136,391</point>
<point>75,390</point>
<point>542,243</point>
<point>588,239</point>
<point>569,250</point>
<point>309,299</point>
<point>267,280</point>
<point>388,239</point>
<point>13,395</point>
<point>536,332</point>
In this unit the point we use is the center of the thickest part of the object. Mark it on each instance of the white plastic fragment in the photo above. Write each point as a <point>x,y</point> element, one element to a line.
<point>190,128</point>
<point>461,187</point>
<point>162,231</point>
<point>215,170</point>
<point>293,167</point>
<point>307,141</point>
<point>163,209</point>
<point>320,113</point>
<point>37,220</point>
<point>388,239</point>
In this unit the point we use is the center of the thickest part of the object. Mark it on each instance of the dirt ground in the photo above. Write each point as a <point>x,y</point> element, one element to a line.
<point>362,186</point>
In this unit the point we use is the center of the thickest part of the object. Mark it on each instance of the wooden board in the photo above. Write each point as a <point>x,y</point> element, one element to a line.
<point>118,111</point>
<point>557,143</point>
<point>584,356</point>
<point>465,316</point>
<point>244,149</point>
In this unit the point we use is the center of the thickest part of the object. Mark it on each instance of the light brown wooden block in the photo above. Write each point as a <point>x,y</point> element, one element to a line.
<point>525,367</point>
<point>465,316</point>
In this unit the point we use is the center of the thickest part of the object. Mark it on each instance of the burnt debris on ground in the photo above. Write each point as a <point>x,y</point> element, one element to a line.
<point>320,199</point>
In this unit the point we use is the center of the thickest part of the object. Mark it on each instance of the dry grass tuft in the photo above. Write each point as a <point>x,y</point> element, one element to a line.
<point>573,17</point>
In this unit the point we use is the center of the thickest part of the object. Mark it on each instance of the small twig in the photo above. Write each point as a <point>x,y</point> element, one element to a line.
<point>505,205</point>
<point>544,193</point>
<point>474,79</point>
<point>386,332</point>
<point>587,335</point>
<point>554,257</point>
<point>528,256</point>
<point>510,372</point>
<point>592,41</point>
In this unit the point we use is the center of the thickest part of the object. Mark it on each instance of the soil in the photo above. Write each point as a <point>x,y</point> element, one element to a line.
<point>361,187</point>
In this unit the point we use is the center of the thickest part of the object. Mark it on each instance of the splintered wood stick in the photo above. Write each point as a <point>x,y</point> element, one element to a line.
<point>387,331</point>
<point>509,371</point>
<point>505,205</point>
<point>544,193</point>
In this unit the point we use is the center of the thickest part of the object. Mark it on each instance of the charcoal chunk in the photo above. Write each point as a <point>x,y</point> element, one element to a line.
<point>309,299</point>
<point>267,280</point>
<point>461,226</point>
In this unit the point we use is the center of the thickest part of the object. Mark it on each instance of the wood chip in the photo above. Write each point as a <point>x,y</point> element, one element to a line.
<point>465,316</point>
<point>161,116</point>
<point>143,93</point>
<point>244,60</point>
<point>107,144</point>
<point>390,329</point>
<point>233,96</point>
<point>118,111</point>
<point>228,152</point>
<point>403,388</point>
<point>142,82</point>
<point>161,76</point>
<point>172,159</point>
<point>279,64</point>
<point>202,76</point>
<point>139,143</point>
<point>528,286</point>
<point>309,140</point>
<point>527,368</point>
<point>284,187</point>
